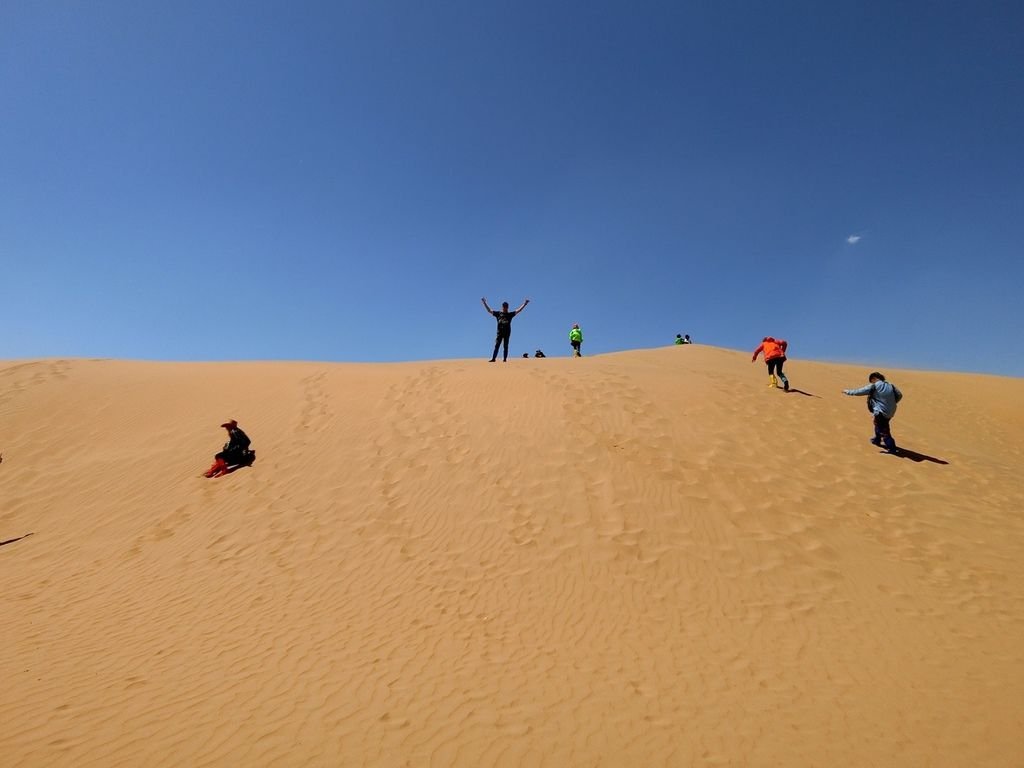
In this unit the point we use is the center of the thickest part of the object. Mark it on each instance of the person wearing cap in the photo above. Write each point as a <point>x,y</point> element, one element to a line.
<point>504,318</point>
<point>774,355</point>
<point>576,339</point>
<point>236,450</point>
<point>882,399</point>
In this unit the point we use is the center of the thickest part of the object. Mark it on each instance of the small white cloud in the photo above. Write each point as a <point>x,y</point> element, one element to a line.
<point>853,239</point>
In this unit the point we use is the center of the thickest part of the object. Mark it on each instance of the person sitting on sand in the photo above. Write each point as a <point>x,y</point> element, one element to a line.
<point>504,318</point>
<point>882,399</point>
<point>236,450</point>
<point>576,339</point>
<point>539,353</point>
<point>774,355</point>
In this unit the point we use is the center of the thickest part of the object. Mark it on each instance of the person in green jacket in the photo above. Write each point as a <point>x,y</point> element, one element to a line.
<point>576,339</point>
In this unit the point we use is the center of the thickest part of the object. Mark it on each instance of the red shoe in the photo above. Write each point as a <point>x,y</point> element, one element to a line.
<point>218,468</point>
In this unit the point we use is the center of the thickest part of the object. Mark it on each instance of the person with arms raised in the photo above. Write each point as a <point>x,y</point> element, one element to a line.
<point>504,318</point>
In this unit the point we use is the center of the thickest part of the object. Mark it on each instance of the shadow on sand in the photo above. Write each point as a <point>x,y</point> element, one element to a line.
<point>794,391</point>
<point>234,468</point>
<point>903,453</point>
<point>11,541</point>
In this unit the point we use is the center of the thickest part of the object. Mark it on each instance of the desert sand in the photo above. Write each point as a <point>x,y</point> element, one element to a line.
<point>646,558</point>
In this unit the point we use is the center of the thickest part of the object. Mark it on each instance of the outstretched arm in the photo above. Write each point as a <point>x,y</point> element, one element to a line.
<point>522,306</point>
<point>866,389</point>
<point>489,310</point>
<point>757,352</point>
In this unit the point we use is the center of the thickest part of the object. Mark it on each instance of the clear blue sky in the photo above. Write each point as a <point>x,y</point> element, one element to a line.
<point>345,180</point>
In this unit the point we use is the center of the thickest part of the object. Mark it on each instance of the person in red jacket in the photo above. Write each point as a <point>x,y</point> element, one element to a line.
<point>775,355</point>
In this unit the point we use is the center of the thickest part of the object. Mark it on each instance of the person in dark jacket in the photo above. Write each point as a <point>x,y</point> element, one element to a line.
<point>236,450</point>
<point>504,318</point>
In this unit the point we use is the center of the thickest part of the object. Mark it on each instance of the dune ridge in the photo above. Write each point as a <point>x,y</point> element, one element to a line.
<point>643,558</point>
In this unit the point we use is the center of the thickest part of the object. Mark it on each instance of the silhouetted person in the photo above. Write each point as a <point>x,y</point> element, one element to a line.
<point>539,353</point>
<point>774,355</point>
<point>882,399</point>
<point>504,318</point>
<point>236,450</point>
<point>576,339</point>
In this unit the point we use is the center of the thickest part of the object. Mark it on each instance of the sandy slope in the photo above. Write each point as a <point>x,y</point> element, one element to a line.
<point>640,559</point>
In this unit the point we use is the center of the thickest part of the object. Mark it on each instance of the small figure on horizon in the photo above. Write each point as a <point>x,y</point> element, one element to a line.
<point>539,353</point>
<point>526,354</point>
<point>235,453</point>
<point>882,400</point>
<point>576,339</point>
<point>774,355</point>
<point>504,318</point>
<point>683,339</point>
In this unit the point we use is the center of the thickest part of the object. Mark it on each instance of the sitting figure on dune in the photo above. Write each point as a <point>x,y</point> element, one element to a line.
<point>236,451</point>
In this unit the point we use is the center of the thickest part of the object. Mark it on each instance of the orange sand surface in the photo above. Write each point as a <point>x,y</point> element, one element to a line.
<point>640,559</point>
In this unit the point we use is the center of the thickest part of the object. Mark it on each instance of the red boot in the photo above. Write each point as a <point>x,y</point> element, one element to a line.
<point>218,467</point>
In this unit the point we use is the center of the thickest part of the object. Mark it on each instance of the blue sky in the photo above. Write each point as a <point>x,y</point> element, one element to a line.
<point>345,180</point>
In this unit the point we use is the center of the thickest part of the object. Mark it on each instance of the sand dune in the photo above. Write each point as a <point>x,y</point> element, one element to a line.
<point>640,559</point>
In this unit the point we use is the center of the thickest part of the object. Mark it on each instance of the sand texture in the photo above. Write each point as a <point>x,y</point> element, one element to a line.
<point>640,559</point>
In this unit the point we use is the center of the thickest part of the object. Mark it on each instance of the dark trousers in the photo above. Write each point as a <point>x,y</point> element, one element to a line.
<point>576,346</point>
<point>883,434</point>
<point>502,338</point>
<point>234,456</point>
<point>775,366</point>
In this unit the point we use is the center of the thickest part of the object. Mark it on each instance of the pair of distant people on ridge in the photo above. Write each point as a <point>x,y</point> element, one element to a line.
<point>683,339</point>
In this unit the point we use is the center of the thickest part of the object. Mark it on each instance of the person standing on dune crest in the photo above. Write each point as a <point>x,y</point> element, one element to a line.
<point>576,339</point>
<point>504,318</point>
<point>774,355</point>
